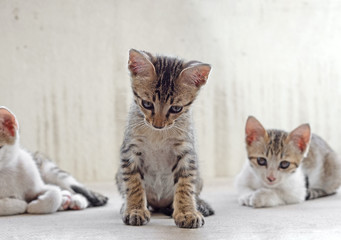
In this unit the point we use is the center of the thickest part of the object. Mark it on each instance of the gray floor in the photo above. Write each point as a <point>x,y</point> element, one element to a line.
<point>317,219</point>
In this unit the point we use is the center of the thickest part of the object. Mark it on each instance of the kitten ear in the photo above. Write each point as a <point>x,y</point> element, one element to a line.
<point>196,74</point>
<point>301,137</point>
<point>8,123</point>
<point>139,64</point>
<point>254,130</point>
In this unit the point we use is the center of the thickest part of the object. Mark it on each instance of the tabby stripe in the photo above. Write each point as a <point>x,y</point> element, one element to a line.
<point>179,157</point>
<point>187,193</point>
<point>125,165</point>
<point>306,182</point>
<point>131,172</point>
<point>136,95</point>
<point>128,149</point>
<point>188,104</point>
<point>192,161</point>
<point>135,190</point>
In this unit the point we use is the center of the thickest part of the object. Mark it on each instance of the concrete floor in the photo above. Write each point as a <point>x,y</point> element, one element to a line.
<point>317,219</point>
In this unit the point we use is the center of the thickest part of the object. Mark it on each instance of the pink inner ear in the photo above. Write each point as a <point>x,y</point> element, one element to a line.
<point>301,137</point>
<point>253,130</point>
<point>197,75</point>
<point>199,78</point>
<point>138,64</point>
<point>9,126</point>
<point>7,122</point>
<point>251,137</point>
<point>301,144</point>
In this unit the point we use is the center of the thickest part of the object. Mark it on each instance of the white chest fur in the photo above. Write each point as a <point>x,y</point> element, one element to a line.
<point>158,159</point>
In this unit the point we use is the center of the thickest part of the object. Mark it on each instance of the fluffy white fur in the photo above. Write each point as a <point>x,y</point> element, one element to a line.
<point>21,186</point>
<point>255,192</point>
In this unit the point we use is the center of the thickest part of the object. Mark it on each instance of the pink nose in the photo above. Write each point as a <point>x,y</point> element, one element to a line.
<point>271,178</point>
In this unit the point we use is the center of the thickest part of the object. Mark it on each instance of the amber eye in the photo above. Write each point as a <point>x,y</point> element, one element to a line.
<point>147,105</point>
<point>284,164</point>
<point>261,161</point>
<point>175,109</point>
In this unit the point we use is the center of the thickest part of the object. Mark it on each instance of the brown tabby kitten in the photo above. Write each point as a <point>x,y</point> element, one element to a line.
<point>286,168</point>
<point>159,166</point>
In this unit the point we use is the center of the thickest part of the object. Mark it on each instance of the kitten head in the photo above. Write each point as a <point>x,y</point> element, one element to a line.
<point>164,87</point>
<point>274,155</point>
<point>8,127</point>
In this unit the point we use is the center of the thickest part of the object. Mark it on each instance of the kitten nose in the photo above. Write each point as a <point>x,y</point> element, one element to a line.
<point>271,178</point>
<point>158,127</point>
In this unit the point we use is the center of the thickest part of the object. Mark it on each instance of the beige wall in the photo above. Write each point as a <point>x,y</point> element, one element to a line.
<point>63,72</point>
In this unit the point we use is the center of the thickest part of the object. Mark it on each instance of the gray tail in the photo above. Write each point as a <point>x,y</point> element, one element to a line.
<point>52,174</point>
<point>204,207</point>
<point>95,199</point>
<point>313,193</point>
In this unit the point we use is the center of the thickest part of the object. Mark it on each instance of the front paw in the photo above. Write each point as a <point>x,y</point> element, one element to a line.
<point>260,198</point>
<point>136,217</point>
<point>189,219</point>
<point>245,200</point>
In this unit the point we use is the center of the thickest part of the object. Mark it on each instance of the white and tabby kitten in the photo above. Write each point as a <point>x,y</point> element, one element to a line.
<point>159,166</point>
<point>34,184</point>
<point>286,168</point>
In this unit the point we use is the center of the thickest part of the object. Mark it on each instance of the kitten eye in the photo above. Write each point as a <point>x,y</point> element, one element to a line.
<point>147,105</point>
<point>175,109</point>
<point>284,164</point>
<point>261,161</point>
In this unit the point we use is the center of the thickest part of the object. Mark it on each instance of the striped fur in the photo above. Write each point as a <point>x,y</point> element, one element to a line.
<point>52,174</point>
<point>159,166</point>
<point>312,168</point>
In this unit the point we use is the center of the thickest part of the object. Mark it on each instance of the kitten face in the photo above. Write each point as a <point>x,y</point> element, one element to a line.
<point>164,87</point>
<point>274,155</point>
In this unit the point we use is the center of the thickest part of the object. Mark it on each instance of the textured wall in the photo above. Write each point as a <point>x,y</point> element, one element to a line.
<point>63,72</point>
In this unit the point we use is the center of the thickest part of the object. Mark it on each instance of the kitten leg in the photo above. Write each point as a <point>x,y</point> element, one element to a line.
<point>51,174</point>
<point>12,206</point>
<point>134,210</point>
<point>185,213</point>
<point>48,201</point>
<point>330,178</point>
<point>264,197</point>
<point>66,200</point>
<point>78,202</point>
<point>313,193</point>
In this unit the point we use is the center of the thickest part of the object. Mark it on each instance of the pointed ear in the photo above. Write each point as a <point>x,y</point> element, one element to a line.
<point>254,130</point>
<point>301,137</point>
<point>196,74</point>
<point>8,123</point>
<point>139,64</point>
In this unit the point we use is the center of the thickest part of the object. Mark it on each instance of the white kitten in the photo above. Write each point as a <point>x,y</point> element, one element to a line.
<point>23,178</point>
<point>282,169</point>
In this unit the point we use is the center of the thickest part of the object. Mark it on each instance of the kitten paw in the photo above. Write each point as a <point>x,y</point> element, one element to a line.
<point>260,198</point>
<point>136,217</point>
<point>66,200</point>
<point>78,202</point>
<point>245,200</point>
<point>189,219</point>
